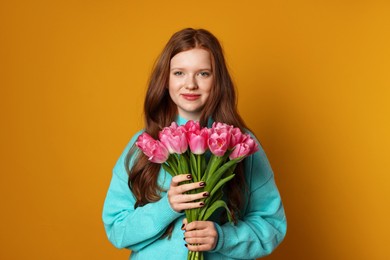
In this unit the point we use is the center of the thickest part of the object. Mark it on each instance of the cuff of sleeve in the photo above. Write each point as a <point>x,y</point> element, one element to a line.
<point>221,238</point>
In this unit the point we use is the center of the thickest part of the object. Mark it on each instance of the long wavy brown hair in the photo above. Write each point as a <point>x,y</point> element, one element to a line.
<point>160,111</point>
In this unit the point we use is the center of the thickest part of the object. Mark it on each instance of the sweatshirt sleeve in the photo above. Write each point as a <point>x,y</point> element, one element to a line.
<point>125,226</point>
<point>263,226</point>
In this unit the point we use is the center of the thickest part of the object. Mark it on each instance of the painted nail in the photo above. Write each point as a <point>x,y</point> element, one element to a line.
<point>182,226</point>
<point>202,204</point>
<point>202,184</point>
<point>206,194</point>
<point>186,245</point>
<point>184,238</point>
<point>189,176</point>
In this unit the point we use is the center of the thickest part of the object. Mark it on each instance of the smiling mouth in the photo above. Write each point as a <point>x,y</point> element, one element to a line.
<point>190,96</point>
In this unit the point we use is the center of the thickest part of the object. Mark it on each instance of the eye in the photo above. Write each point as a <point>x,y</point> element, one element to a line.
<point>178,73</point>
<point>204,74</point>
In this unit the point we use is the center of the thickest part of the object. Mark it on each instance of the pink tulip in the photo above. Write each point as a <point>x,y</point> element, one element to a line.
<point>246,147</point>
<point>247,139</point>
<point>174,138</point>
<point>197,140</point>
<point>157,152</point>
<point>221,127</point>
<point>219,143</point>
<point>236,137</point>
<point>192,126</point>
<point>240,150</point>
<point>153,149</point>
<point>142,140</point>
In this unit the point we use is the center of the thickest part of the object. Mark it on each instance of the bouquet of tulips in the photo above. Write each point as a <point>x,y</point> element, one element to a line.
<point>184,150</point>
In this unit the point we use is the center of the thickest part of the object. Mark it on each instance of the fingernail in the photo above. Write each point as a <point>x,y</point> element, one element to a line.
<point>202,204</point>
<point>206,194</point>
<point>202,184</point>
<point>184,238</point>
<point>182,226</point>
<point>186,245</point>
<point>189,176</point>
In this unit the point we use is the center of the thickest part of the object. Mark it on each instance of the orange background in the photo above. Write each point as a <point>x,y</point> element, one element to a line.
<point>313,82</point>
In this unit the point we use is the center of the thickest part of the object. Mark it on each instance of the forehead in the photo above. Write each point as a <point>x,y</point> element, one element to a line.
<point>192,58</point>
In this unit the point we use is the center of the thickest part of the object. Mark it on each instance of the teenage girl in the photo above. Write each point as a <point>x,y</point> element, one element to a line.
<point>143,210</point>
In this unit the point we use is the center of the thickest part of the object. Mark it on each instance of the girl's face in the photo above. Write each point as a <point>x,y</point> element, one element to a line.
<point>190,81</point>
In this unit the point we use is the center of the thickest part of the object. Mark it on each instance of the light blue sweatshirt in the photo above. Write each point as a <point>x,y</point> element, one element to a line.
<point>261,229</point>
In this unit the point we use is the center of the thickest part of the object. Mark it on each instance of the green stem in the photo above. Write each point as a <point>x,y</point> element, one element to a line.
<point>198,166</point>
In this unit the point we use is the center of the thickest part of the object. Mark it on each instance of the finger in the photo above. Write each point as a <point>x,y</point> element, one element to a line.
<point>180,198</point>
<point>184,223</point>
<point>201,247</point>
<point>199,240</point>
<point>199,229</point>
<point>190,186</point>
<point>189,205</point>
<point>199,225</point>
<point>180,178</point>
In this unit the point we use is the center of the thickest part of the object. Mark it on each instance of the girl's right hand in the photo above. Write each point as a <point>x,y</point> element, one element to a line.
<point>176,194</point>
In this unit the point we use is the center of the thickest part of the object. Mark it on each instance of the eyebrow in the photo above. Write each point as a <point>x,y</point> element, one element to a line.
<point>184,69</point>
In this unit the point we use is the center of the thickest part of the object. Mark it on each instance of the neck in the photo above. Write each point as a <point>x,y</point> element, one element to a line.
<point>190,117</point>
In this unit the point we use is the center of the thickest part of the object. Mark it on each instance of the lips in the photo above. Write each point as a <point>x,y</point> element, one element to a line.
<point>190,97</point>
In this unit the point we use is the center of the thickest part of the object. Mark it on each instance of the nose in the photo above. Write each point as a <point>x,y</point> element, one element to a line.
<point>191,83</point>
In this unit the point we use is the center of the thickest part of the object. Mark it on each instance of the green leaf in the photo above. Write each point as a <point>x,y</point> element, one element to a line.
<point>168,169</point>
<point>203,164</point>
<point>185,162</point>
<point>209,201</point>
<point>221,183</point>
<point>214,163</point>
<point>202,211</point>
<point>217,204</point>
<point>188,215</point>
<point>216,196</point>
<point>229,171</point>
<point>214,178</point>
<point>198,166</point>
<point>173,164</point>
<point>194,170</point>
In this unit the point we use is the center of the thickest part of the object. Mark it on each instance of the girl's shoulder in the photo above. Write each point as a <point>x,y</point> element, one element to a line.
<point>122,162</point>
<point>258,169</point>
<point>132,141</point>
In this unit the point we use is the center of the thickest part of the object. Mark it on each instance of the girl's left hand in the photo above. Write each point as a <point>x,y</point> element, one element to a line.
<point>200,235</point>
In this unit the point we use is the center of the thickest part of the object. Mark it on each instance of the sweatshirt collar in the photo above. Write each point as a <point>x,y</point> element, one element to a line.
<point>182,121</point>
